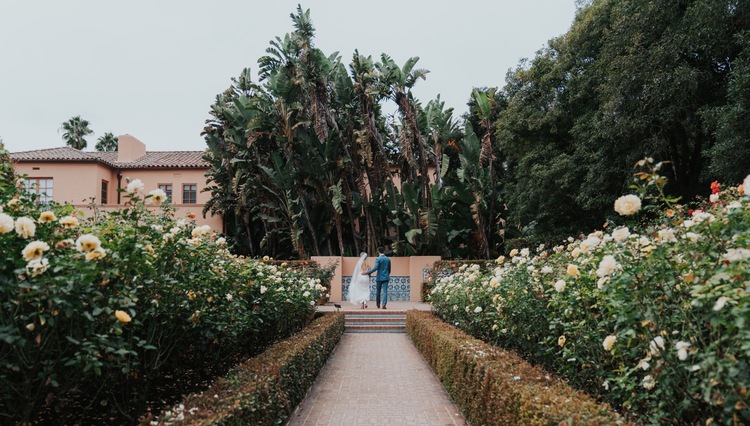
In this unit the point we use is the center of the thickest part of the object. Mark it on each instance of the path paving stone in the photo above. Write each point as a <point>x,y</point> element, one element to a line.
<point>376,379</point>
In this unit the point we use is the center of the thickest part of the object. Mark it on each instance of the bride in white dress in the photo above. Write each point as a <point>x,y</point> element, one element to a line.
<point>359,288</point>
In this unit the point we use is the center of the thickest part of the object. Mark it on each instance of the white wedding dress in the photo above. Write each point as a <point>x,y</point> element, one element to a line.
<point>359,288</point>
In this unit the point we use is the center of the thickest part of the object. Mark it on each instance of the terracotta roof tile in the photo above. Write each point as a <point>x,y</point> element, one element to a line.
<point>152,159</point>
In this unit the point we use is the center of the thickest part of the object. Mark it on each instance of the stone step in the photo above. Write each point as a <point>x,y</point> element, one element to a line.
<point>375,322</point>
<point>375,329</point>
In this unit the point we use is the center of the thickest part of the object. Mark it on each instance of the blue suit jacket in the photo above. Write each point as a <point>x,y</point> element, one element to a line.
<point>383,266</point>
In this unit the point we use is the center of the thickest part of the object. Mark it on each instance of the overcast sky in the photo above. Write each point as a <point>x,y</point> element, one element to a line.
<point>152,68</point>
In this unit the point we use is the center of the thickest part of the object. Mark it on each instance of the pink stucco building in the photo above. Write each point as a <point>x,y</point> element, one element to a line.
<point>78,177</point>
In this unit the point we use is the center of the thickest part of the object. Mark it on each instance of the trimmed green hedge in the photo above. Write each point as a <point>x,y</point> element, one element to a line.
<point>265,389</point>
<point>492,386</point>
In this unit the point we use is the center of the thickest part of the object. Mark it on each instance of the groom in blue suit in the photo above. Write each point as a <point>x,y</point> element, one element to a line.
<point>383,266</point>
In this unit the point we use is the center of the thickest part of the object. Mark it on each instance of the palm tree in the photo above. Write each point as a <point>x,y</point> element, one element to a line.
<point>75,131</point>
<point>441,129</point>
<point>396,83</point>
<point>107,142</point>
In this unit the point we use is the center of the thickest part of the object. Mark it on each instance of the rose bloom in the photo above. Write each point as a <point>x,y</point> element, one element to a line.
<point>573,270</point>
<point>34,250</point>
<point>14,204</point>
<point>692,236</point>
<point>6,223</point>
<point>746,182</point>
<point>37,266</point>
<point>122,316</point>
<point>682,350</point>
<point>720,302</point>
<point>97,253</point>
<point>700,216</point>
<point>607,266</point>
<point>157,196</point>
<point>644,363</point>
<point>736,255</point>
<point>200,230</point>
<point>69,222</point>
<point>667,235</point>
<point>561,341</point>
<point>590,243</point>
<point>656,345</point>
<point>221,241</point>
<point>560,286</point>
<point>601,282</point>
<point>628,205</point>
<point>500,259</point>
<point>25,227</point>
<point>87,243</point>
<point>134,186</point>
<point>609,342</point>
<point>478,309</point>
<point>47,216</point>
<point>513,252</point>
<point>648,382</point>
<point>713,198</point>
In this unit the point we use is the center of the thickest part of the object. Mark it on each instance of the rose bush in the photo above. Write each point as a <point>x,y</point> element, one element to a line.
<point>100,316</point>
<point>653,318</point>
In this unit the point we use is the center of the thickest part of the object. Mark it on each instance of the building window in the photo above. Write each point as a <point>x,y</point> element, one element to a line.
<point>105,190</point>
<point>189,193</point>
<point>167,188</point>
<point>43,187</point>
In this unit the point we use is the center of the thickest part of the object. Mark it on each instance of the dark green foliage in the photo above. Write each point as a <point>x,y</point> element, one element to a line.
<point>630,79</point>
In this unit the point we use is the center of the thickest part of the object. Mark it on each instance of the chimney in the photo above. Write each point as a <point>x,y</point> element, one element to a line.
<point>129,149</point>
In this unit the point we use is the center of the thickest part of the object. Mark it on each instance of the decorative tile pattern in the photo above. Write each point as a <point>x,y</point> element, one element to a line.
<point>399,288</point>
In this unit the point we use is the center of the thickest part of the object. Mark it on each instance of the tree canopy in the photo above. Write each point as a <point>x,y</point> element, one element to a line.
<point>304,161</point>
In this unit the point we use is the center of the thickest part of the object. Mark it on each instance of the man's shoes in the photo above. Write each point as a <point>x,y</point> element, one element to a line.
<point>378,306</point>
<point>383,307</point>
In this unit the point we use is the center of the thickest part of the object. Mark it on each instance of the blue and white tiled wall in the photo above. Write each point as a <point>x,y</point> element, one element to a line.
<point>399,288</point>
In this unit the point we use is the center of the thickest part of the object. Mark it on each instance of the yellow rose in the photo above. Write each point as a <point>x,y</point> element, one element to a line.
<point>122,316</point>
<point>573,270</point>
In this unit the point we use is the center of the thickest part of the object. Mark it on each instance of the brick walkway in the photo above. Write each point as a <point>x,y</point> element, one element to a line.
<point>376,379</point>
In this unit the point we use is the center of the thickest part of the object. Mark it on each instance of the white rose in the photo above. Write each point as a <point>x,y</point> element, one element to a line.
<point>736,255</point>
<point>648,382</point>
<point>6,223</point>
<point>560,286</point>
<point>134,186</point>
<point>628,205</point>
<point>719,305</point>
<point>620,234</point>
<point>656,345</point>
<point>682,350</point>
<point>607,266</point>
<point>609,342</point>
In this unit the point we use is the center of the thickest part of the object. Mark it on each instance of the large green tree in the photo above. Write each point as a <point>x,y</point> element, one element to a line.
<point>630,79</point>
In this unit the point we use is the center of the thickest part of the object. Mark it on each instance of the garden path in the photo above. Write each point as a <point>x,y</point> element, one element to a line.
<point>377,379</point>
